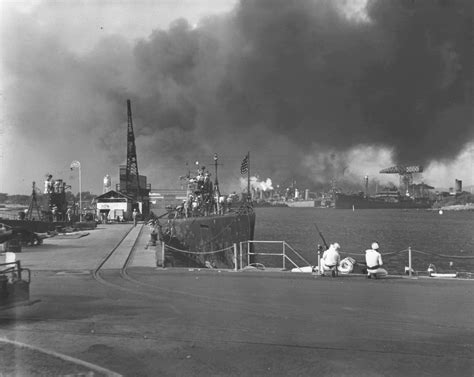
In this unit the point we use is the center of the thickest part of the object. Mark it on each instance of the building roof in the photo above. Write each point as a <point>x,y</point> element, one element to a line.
<point>112,194</point>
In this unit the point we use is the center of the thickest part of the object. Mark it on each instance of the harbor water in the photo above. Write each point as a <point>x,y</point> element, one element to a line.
<point>446,240</point>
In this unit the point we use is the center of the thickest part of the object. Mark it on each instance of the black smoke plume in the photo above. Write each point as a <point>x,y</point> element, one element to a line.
<point>298,83</point>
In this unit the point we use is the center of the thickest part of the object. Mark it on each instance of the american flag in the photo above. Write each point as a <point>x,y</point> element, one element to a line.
<point>244,168</point>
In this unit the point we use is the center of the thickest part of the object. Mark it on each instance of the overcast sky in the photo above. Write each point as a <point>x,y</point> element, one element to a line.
<point>314,89</point>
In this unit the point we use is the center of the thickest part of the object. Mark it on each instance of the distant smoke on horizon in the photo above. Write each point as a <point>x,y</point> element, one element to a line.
<point>313,94</point>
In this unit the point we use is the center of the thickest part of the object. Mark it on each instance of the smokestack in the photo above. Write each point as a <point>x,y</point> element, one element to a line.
<point>366,185</point>
<point>306,194</point>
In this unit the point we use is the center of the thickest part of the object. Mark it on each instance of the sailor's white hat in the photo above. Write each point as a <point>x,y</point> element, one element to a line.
<point>375,245</point>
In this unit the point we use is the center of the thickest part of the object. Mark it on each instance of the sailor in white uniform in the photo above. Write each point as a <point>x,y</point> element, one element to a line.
<point>373,260</point>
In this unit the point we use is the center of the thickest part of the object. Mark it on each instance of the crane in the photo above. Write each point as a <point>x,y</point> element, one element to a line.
<point>132,177</point>
<point>405,173</point>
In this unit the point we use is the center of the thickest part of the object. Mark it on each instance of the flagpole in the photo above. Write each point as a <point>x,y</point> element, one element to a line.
<point>249,195</point>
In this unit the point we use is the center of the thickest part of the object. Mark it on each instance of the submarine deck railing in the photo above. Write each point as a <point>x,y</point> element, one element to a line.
<point>284,255</point>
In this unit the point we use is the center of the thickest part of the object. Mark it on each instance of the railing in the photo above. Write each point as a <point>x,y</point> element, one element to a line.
<point>245,249</point>
<point>459,265</point>
<point>285,248</point>
<point>231,249</point>
<point>242,255</point>
<point>431,270</point>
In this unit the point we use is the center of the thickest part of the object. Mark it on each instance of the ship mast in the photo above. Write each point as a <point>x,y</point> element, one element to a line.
<point>216,182</point>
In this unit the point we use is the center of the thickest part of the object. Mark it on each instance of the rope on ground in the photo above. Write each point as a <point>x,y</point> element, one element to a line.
<point>198,252</point>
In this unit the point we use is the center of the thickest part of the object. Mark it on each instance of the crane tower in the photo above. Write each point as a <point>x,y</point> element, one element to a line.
<point>132,179</point>
<point>405,173</point>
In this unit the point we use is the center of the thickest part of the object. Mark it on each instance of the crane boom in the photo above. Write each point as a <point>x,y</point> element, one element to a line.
<point>402,170</point>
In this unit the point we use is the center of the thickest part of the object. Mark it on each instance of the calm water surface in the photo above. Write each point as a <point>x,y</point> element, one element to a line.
<point>450,234</point>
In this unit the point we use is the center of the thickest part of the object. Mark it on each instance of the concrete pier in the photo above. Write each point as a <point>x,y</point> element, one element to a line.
<point>198,322</point>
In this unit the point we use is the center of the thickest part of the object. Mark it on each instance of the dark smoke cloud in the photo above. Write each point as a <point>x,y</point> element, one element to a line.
<point>314,76</point>
<point>297,83</point>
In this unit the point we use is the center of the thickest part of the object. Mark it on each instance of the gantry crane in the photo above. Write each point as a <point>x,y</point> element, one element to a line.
<point>405,173</point>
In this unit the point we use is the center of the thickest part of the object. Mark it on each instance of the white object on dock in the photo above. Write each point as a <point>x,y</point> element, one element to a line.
<point>440,275</point>
<point>10,258</point>
<point>302,269</point>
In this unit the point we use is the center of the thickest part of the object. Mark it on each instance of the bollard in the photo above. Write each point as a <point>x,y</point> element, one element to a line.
<point>409,261</point>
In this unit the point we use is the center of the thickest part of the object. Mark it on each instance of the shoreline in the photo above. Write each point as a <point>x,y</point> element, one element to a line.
<point>455,207</point>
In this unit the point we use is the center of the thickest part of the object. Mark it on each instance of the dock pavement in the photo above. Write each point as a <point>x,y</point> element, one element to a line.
<point>199,322</point>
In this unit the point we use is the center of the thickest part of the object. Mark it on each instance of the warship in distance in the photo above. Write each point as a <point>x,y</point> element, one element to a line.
<point>385,200</point>
<point>415,194</point>
<point>202,231</point>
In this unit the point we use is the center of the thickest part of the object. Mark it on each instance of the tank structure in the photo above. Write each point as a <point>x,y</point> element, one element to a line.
<point>107,184</point>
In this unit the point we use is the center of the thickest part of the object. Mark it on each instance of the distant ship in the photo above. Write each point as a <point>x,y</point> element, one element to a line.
<point>383,200</point>
<point>202,231</point>
<point>416,194</point>
<point>301,203</point>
